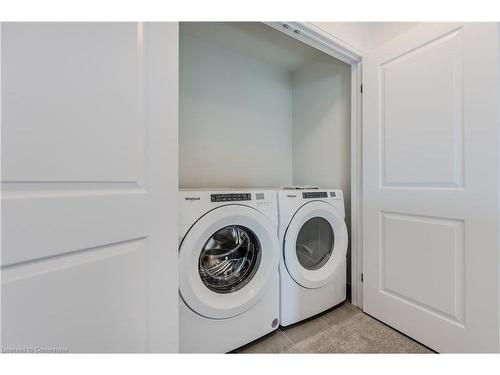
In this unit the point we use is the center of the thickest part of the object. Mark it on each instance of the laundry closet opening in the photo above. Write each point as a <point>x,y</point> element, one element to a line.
<point>260,109</point>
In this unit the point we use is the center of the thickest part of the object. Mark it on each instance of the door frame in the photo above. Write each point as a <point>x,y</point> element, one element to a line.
<point>317,38</point>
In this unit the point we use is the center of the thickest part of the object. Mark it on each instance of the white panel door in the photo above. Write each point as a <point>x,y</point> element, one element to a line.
<point>430,188</point>
<point>89,186</point>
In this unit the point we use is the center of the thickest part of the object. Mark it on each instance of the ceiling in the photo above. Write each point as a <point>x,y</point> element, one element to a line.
<point>255,40</point>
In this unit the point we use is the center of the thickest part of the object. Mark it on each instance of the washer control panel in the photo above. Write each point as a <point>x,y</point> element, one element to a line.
<point>230,197</point>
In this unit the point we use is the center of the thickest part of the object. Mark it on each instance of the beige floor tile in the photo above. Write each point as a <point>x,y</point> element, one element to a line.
<point>304,330</point>
<point>325,342</point>
<point>379,338</point>
<point>344,329</point>
<point>340,314</point>
<point>275,342</point>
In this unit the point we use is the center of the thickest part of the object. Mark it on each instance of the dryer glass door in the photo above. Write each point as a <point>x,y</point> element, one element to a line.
<point>315,243</point>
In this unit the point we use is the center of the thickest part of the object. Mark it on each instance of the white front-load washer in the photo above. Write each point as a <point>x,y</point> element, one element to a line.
<point>313,239</point>
<point>228,268</point>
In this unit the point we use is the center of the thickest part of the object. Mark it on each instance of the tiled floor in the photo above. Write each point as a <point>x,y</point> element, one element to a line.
<point>343,329</point>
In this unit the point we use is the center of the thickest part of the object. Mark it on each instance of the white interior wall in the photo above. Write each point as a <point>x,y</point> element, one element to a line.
<point>321,126</point>
<point>235,119</point>
<point>365,36</point>
<point>257,151</point>
<point>382,32</point>
<point>355,34</point>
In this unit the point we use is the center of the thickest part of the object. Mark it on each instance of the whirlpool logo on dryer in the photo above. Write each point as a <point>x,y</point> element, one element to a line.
<point>192,198</point>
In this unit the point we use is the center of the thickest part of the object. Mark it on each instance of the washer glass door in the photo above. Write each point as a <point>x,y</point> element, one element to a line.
<point>229,259</point>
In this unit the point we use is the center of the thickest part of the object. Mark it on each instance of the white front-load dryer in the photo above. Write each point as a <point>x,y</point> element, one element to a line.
<point>228,268</point>
<point>313,239</point>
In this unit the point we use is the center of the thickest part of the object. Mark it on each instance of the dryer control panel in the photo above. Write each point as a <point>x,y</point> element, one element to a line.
<point>320,194</point>
<point>314,194</point>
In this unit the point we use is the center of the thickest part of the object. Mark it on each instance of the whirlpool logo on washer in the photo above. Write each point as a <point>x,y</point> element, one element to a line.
<point>291,196</point>
<point>192,198</point>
